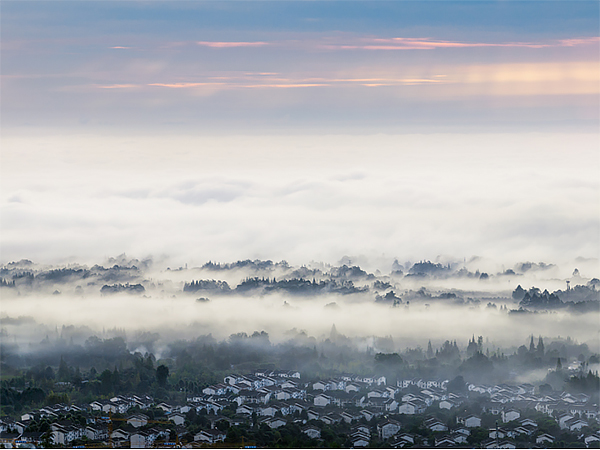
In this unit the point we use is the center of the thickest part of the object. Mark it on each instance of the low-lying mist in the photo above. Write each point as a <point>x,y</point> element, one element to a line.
<point>186,318</point>
<point>410,305</point>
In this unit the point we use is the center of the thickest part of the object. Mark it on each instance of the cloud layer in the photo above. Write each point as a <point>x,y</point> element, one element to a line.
<point>300,198</point>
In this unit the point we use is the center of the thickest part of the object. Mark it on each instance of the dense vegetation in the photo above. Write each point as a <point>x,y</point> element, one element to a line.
<point>105,367</point>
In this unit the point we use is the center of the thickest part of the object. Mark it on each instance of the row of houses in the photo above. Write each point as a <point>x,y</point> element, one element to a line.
<point>121,404</point>
<point>523,396</point>
<point>277,398</point>
<point>65,432</point>
<point>373,397</point>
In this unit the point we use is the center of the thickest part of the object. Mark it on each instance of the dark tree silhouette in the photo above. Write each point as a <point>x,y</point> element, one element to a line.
<point>162,373</point>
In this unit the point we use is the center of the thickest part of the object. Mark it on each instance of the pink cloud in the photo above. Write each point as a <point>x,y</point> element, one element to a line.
<point>579,41</point>
<point>425,44</point>
<point>118,86</point>
<point>283,83</point>
<point>429,44</point>
<point>182,85</point>
<point>231,44</point>
<point>291,85</point>
<point>238,85</point>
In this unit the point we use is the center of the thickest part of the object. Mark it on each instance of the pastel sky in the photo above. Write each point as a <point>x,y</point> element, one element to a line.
<point>243,66</point>
<point>300,130</point>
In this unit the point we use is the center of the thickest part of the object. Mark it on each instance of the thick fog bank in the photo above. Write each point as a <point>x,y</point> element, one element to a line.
<point>185,318</point>
<point>410,303</point>
<point>511,197</point>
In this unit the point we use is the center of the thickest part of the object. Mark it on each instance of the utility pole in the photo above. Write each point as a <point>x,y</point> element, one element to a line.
<point>497,443</point>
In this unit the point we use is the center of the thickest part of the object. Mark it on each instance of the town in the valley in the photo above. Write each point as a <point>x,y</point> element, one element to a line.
<point>192,384</point>
<point>283,408</point>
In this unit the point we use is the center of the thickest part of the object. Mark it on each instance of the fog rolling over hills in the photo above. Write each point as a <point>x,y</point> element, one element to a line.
<point>408,303</point>
<point>184,335</point>
<point>213,212</point>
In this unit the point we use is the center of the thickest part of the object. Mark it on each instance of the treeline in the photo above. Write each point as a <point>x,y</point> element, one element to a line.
<point>7,283</point>
<point>578,299</point>
<point>106,367</point>
<point>39,386</point>
<point>17,276</point>
<point>299,286</point>
<point>119,288</point>
<point>256,265</point>
<point>588,384</point>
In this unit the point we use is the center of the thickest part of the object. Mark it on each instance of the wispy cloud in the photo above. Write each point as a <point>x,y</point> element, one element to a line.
<point>402,43</point>
<point>579,41</point>
<point>184,85</point>
<point>221,44</point>
<point>247,82</point>
<point>395,43</point>
<point>291,85</point>
<point>118,86</point>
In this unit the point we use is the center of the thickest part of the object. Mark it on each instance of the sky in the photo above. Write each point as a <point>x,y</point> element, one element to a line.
<point>300,130</point>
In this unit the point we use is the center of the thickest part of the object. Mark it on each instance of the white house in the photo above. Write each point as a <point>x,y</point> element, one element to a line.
<point>210,436</point>
<point>165,407</point>
<point>275,422</point>
<point>289,384</point>
<point>97,406</point>
<point>312,432</point>
<point>445,441</point>
<point>139,439</point>
<point>350,417</point>
<point>591,439</point>
<point>137,420</point>
<point>388,428</point>
<point>320,386</point>
<point>446,404</point>
<point>120,434</point>
<point>406,437</point>
<point>177,418</point>
<point>391,405</point>
<point>351,387</point>
<point>459,438</point>
<point>244,409</point>
<point>412,407</point>
<point>510,415</point>
<point>435,425</point>
<point>369,414</point>
<point>268,411</point>
<point>96,432</point>
<point>322,400</point>
<point>576,424</point>
<point>472,422</point>
<point>563,419</point>
<point>360,441</point>
<point>544,439</point>
<point>63,435</point>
